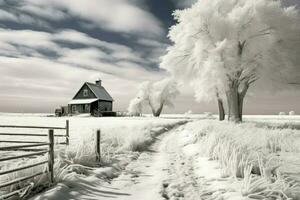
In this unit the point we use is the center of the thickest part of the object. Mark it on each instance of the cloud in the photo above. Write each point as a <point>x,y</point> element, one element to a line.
<point>291,2</point>
<point>38,39</point>
<point>22,18</point>
<point>96,55</point>
<point>184,3</point>
<point>187,3</point>
<point>4,15</point>
<point>151,43</point>
<point>45,12</point>
<point>123,16</point>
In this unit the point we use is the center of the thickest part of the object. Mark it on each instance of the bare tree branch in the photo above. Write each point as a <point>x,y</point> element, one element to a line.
<point>258,35</point>
<point>183,57</point>
<point>294,83</point>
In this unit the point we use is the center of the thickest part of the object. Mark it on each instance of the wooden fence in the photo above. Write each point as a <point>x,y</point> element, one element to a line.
<point>66,128</point>
<point>30,146</point>
<point>98,141</point>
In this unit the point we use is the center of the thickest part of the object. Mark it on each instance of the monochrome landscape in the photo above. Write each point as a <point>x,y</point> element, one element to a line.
<point>150,100</point>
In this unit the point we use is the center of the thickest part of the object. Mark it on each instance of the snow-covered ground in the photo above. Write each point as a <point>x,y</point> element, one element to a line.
<point>84,128</point>
<point>166,171</point>
<point>120,137</point>
<point>163,158</point>
<point>193,162</point>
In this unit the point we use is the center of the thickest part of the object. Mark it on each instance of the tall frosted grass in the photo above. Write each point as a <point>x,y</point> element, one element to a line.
<point>253,155</point>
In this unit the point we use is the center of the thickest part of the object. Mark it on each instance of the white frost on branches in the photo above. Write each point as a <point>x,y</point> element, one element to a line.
<point>137,104</point>
<point>224,47</point>
<point>156,95</point>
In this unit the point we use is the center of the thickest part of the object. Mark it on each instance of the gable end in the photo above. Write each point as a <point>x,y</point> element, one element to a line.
<point>80,94</point>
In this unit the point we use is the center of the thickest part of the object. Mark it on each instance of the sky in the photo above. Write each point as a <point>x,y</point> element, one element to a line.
<point>49,48</point>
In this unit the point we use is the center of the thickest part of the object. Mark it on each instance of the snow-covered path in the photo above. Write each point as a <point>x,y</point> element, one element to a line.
<point>157,173</point>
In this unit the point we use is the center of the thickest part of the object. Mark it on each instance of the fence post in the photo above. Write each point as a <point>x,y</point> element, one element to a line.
<point>51,155</point>
<point>98,140</point>
<point>67,132</point>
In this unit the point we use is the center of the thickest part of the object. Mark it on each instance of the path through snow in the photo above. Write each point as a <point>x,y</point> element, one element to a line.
<point>159,173</point>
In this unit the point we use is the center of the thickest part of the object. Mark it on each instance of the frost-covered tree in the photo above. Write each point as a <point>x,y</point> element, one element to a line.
<point>137,104</point>
<point>135,107</point>
<point>226,46</point>
<point>292,112</point>
<point>163,94</point>
<point>156,95</point>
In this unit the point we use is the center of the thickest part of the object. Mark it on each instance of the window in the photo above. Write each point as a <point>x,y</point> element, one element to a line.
<point>87,108</point>
<point>85,92</point>
<point>73,108</point>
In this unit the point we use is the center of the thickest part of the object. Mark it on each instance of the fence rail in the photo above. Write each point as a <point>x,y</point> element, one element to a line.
<point>22,146</point>
<point>30,134</point>
<point>66,135</point>
<point>32,127</point>
<point>21,168</point>
<point>30,146</point>
<point>24,156</point>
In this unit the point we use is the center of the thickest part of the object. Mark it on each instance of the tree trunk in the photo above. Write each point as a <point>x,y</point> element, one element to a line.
<point>242,95</point>
<point>233,104</point>
<point>221,110</point>
<point>152,109</point>
<point>158,111</point>
<point>241,103</point>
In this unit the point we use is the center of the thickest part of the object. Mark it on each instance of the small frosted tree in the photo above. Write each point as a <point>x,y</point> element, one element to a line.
<point>162,94</point>
<point>292,112</point>
<point>156,95</point>
<point>138,103</point>
<point>135,107</point>
<point>223,47</point>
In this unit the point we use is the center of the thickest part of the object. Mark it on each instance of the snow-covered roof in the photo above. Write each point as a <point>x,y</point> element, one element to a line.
<point>99,92</point>
<point>82,101</point>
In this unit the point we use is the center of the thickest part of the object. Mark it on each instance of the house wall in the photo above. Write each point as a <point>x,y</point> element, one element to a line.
<point>104,106</point>
<point>80,95</point>
<point>80,108</point>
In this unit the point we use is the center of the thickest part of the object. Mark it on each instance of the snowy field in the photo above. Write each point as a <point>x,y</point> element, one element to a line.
<point>144,158</point>
<point>204,159</point>
<point>119,137</point>
<point>82,128</point>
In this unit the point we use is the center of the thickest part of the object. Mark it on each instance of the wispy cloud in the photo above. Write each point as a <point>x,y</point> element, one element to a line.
<point>115,15</point>
<point>22,18</point>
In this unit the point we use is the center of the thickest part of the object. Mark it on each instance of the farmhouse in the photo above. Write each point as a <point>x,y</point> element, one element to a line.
<point>91,98</point>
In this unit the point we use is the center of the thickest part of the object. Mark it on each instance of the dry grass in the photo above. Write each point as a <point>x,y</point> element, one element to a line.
<point>253,154</point>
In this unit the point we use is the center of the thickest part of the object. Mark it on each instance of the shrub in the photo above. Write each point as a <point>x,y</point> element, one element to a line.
<point>282,113</point>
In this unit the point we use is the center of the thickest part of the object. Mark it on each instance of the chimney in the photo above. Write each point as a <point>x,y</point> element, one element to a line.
<point>98,82</point>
